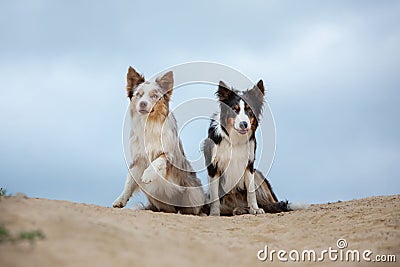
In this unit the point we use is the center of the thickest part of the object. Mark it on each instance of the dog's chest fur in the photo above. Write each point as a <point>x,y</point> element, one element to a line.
<point>145,140</point>
<point>232,158</point>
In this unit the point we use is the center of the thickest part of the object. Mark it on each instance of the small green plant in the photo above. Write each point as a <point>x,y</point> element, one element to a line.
<point>4,234</point>
<point>3,192</point>
<point>30,236</point>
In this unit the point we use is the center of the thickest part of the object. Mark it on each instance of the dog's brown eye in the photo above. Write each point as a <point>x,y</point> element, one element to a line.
<point>137,94</point>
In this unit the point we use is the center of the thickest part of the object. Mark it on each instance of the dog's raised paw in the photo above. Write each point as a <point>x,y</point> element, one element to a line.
<point>255,211</point>
<point>147,176</point>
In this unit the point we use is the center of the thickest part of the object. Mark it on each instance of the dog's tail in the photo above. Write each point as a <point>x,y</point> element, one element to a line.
<point>267,200</point>
<point>298,206</point>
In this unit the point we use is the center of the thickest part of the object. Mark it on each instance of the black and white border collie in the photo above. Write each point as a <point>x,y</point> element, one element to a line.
<point>229,151</point>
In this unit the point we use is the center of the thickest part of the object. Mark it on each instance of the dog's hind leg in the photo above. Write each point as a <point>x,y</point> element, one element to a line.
<point>161,192</point>
<point>156,205</point>
<point>234,203</point>
<point>130,186</point>
<point>193,198</point>
<point>266,197</point>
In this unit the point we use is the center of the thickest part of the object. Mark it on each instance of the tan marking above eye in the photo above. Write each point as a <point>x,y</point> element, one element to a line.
<point>154,94</point>
<point>236,107</point>
<point>247,106</point>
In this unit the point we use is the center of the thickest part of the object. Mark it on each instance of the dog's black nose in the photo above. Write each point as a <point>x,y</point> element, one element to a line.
<point>243,125</point>
<point>143,104</point>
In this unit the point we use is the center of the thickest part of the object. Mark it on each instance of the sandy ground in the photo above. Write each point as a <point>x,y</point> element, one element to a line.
<point>89,235</point>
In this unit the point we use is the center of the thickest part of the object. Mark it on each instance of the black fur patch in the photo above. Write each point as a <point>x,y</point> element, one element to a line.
<point>281,206</point>
<point>269,187</point>
<point>227,109</point>
<point>255,98</point>
<point>130,94</point>
<point>212,169</point>
<point>213,134</point>
<point>250,166</point>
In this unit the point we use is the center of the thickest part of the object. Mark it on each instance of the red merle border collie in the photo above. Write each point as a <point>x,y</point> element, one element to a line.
<point>229,151</point>
<point>159,167</point>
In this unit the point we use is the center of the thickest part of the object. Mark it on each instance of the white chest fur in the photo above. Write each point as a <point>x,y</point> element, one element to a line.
<point>232,157</point>
<point>145,140</point>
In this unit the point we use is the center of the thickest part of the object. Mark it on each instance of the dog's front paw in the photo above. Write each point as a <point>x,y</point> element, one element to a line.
<point>215,211</point>
<point>119,203</point>
<point>255,211</point>
<point>148,176</point>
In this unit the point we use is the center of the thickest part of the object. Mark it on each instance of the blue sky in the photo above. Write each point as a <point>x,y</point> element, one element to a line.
<point>331,68</point>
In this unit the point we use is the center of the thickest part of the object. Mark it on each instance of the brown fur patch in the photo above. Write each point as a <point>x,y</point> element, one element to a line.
<point>224,91</point>
<point>133,79</point>
<point>160,111</point>
<point>235,202</point>
<point>230,121</point>
<point>253,123</point>
<point>267,191</point>
<point>166,83</point>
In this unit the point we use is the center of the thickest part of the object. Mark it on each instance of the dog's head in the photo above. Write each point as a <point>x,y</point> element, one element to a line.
<point>149,98</point>
<point>240,111</point>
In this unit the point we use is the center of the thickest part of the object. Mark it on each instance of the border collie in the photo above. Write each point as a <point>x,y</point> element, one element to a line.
<point>229,151</point>
<point>159,167</point>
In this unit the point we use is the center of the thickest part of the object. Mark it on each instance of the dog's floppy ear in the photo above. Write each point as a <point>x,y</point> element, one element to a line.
<point>166,83</point>
<point>224,91</point>
<point>133,79</point>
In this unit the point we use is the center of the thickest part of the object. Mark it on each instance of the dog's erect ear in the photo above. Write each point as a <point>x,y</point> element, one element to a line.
<point>166,83</point>
<point>224,91</point>
<point>255,97</point>
<point>260,86</point>
<point>258,90</point>
<point>133,79</point>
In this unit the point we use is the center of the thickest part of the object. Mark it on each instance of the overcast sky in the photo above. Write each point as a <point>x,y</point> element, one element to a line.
<point>331,67</point>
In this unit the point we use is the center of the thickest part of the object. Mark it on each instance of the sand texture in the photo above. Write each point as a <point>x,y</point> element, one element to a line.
<point>90,235</point>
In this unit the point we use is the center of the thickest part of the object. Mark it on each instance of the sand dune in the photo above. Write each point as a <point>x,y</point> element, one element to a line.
<point>89,235</point>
